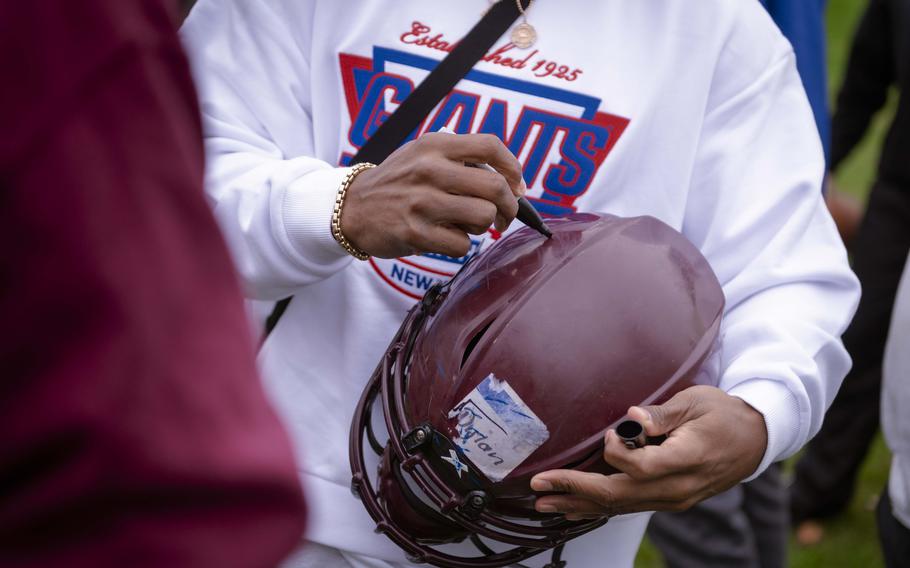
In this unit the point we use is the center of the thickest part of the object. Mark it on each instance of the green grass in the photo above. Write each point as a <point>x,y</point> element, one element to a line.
<point>856,174</point>
<point>851,539</point>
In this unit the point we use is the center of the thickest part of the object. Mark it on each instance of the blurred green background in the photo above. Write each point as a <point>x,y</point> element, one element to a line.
<point>851,540</point>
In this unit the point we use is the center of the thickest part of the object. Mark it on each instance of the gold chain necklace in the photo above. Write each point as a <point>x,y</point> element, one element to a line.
<point>523,35</point>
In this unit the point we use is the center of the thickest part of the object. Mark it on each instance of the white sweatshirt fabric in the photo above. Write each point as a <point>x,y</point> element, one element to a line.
<point>691,112</point>
<point>896,401</point>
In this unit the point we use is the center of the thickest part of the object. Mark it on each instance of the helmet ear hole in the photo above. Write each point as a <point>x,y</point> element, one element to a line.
<point>474,341</point>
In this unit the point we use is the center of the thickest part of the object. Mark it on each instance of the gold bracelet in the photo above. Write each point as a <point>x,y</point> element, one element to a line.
<point>336,212</point>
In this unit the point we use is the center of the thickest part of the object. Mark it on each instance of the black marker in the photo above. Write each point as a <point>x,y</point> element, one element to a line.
<point>632,434</point>
<point>526,212</point>
<point>528,215</point>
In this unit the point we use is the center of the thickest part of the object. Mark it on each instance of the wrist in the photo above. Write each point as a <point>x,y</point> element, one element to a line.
<point>339,229</point>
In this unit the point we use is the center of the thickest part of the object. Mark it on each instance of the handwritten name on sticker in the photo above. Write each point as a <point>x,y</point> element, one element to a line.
<point>496,429</point>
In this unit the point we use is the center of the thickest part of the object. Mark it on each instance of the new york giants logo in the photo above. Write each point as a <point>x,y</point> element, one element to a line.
<point>560,137</point>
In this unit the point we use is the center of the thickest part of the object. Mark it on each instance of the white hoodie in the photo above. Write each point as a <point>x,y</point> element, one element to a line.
<point>689,111</point>
<point>896,400</point>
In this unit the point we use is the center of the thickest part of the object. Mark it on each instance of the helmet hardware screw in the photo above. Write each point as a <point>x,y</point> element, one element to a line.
<point>474,504</point>
<point>417,438</point>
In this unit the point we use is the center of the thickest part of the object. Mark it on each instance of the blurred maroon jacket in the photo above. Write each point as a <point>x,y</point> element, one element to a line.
<point>133,430</point>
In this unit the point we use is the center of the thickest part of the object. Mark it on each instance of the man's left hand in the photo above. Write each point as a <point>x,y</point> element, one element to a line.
<point>715,441</point>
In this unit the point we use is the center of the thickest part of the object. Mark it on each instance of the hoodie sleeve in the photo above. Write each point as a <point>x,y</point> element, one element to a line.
<point>756,211</point>
<point>272,199</point>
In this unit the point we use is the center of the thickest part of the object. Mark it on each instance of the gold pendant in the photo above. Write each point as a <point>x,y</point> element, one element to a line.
<point>524,35</point>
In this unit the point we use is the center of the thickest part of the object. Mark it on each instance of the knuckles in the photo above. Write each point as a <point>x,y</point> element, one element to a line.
<point>684,489</point>
<point>700,455</point>
<point>461,249</point>
<point>504,193</point>
<point>606,498</point>
<point>683,505</point>
<point>641,470</point>
<point>486,216</point>
<point>488,144</point>
<point>430,140</point>
<point>423,168</point>
<point>418,204</point>
<point>411,235</point>
<point>682,493</point>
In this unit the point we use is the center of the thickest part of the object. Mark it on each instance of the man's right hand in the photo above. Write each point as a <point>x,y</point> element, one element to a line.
<point>422,198</point>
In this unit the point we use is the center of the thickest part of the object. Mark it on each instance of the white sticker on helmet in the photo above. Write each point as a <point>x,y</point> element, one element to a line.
<point>496,429</point>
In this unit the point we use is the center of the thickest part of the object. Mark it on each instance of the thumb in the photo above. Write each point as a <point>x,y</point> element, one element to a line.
<point>661,419</point>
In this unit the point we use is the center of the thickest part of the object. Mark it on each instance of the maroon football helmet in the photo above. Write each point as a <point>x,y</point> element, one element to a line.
<point>520,364</point>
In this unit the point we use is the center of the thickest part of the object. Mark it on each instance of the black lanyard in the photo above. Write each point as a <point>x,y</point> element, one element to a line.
<point>415,108</point>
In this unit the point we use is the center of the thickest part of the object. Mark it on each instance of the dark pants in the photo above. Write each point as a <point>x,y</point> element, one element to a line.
<point>745,527</point>
<point>894,536</point>
<point>824,478</point>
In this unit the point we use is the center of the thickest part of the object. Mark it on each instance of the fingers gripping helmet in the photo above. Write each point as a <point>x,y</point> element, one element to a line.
<point>519,365</point>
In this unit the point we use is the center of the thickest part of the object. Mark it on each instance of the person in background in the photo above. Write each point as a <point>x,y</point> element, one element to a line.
<point>135,431</point>
<point>748,524</point>
<point>803,24</point>
<point>880,60</point>
<point>893,513</point>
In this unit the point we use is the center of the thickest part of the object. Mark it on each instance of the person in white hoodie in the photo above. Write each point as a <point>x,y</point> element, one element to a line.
<point>691,112</point>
